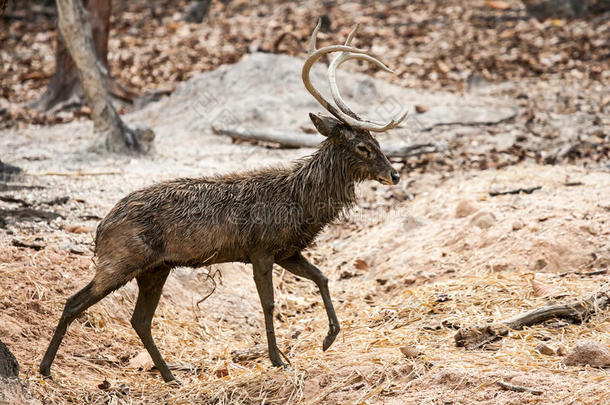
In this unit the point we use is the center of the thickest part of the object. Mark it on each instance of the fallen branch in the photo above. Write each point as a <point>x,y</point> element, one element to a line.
<point>517,388</point>
<point>10,199</point>
<point>529,190</point>
<point>579,311</point>
<point>474,337</point>
<point>301,140</point>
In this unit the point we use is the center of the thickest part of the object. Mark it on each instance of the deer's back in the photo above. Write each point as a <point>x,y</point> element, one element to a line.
<point>201,221</point>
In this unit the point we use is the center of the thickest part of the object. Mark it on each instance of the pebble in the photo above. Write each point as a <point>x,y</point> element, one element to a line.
<point>484,220</point>
<point>518,224</point>
<point>465,208</point>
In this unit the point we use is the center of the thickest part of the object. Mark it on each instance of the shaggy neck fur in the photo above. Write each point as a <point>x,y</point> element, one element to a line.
<point>324,183</point>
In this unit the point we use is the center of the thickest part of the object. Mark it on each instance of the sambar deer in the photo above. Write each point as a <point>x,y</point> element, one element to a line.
<point>261,217</point>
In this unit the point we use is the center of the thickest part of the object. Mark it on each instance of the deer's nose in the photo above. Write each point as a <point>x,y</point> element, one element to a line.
<point>395,177</point>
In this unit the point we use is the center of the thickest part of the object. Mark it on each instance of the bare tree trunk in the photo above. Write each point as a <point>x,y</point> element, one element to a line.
<point>64,89</point>
<point>8,363</point>
<point>8,172</point>
<point>75,28</point>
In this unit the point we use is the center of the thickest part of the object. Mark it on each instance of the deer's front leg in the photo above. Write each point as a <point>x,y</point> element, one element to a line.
<point>263,277</point>
<point>299,266</point>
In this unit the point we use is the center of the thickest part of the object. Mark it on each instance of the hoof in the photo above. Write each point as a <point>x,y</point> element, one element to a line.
<point>45,371</point>
<point>328,340</point>
<point>279,364</point>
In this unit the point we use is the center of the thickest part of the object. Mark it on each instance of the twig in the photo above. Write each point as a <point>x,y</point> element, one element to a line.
<point>585,273</point>
<point>98,360</point>
<point>529,190</point>
<point>210,277</point>
<point>299,140</point>
<point>183,367</point>
<point>18,243</point>
<point>518,388</point>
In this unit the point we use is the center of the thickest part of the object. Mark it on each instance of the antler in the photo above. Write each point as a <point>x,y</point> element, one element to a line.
<point>347,52</point>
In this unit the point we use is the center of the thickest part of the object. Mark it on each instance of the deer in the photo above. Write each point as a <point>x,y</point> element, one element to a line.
<point>260,217</point>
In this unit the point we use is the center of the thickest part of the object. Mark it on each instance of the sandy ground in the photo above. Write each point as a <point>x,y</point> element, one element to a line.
<point>409,265</point>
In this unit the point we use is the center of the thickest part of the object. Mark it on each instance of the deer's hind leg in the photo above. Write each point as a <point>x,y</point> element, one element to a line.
<point>98,288</point>
<point>150,285</point>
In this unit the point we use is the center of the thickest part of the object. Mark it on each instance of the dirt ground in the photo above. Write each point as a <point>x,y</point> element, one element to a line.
<point>409,266</point>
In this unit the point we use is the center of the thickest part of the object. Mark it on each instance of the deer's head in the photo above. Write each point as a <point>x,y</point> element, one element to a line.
<point>347,129</point>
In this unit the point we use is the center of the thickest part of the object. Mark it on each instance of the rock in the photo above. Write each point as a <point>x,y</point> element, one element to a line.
<point>8,363</point>
<point>141,361</point>
<point>587,352</point>
<point>484,220</point>
<point>411,222</point>
<point>518,224</point>
<point>591,228</point>
<point>465,208</point>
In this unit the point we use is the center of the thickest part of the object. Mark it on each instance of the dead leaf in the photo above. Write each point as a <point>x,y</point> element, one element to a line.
<point>420,108</point>
<point>545,349</point>
<point>104,385</point>
<point>410,351</point>
<point>222,372</point>
<point>361,264</point>
<point>141,361</point>
<point>541,289</point>
<point>498,5</point>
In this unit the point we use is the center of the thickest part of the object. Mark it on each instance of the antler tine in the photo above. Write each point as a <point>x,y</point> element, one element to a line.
<point>338,100</point>
<point>314,55</point>
<point>314,37</point>
<point>334,89</point>
<point>347,52</point>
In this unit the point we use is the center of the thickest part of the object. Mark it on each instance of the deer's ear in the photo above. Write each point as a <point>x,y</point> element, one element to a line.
<point>323,123</point>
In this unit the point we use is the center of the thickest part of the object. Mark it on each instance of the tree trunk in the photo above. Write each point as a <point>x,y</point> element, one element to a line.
<point>8,172</point>
<point>76,30</point>
<point>64,89</point>
<point>8,363</point>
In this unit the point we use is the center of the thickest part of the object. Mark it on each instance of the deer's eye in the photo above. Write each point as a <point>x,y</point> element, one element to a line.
<point>363,150</point>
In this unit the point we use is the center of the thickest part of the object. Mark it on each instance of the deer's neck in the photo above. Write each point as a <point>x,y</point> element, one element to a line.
<point>324,183</point>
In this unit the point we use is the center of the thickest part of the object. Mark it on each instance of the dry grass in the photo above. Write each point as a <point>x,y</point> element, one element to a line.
<point>417,284</point>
